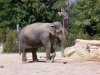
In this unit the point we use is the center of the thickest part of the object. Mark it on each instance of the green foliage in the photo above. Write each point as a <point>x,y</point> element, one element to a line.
<point>41,49</point>
<point>2,35</point>
<point>86,15</point>
<point>11,42</point>
<point>28,11</point>
<point>56,47</point>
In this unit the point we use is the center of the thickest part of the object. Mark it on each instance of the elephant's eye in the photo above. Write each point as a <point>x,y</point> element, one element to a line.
<point>59,32</point>
<point>56,27</point>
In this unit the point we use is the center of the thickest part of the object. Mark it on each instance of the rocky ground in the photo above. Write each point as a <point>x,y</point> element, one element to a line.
<point>11,64</point>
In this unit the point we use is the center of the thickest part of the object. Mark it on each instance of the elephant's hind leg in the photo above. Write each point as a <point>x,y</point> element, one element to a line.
<point>23,50</point>
<point>24,58</point>
<point>34,55</point>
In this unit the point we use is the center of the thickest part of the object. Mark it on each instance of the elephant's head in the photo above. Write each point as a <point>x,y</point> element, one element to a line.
<point>58,31</point>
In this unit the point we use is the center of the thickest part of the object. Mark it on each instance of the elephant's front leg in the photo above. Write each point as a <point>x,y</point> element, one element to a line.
<point>48,50</point>
<point>47,44</point>
<point>53,53</point>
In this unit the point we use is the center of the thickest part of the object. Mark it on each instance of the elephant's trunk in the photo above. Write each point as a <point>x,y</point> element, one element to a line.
<point>62,49</point>
<point>62,44</point>
<point>19,48</point>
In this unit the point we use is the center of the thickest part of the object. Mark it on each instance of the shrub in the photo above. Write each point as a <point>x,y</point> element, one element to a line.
<point>41,49</point>
<point>57,47</point>
<point>11,42</point>
<point>2,35</point>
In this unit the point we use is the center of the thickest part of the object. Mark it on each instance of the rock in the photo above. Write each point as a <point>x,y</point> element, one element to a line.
<point>93,47</point>
<point>77,46</point>
<point>93,53</point>
<point>81,45</point>
<point>98,52</point>
<point>91,42</point>
<point>1,66</point>
<point>68,51</point>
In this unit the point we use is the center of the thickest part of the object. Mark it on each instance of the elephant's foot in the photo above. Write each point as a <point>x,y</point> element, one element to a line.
<point>50,61</point>
<point>36,60</point>
<point>24,62</point>
<point>52,57</point>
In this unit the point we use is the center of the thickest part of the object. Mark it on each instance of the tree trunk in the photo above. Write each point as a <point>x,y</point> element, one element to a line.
<point>64,14</point>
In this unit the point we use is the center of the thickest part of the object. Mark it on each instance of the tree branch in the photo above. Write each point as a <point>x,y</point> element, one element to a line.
<point>64,13</point>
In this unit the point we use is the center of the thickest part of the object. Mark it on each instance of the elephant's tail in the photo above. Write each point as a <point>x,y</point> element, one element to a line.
<point>19,48</point>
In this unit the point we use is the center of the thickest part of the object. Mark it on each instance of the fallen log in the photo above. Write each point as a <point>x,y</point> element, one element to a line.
<point>89,42</point>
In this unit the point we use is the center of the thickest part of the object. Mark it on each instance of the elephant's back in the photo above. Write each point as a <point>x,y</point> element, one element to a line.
<point>35,26</point>
<point>33,30</point>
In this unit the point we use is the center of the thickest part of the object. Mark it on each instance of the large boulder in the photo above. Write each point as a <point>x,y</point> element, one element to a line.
<point>78,47</point>
<point>83,50</point>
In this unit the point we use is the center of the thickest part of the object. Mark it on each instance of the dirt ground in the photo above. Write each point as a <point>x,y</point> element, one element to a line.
<point>13,66</point>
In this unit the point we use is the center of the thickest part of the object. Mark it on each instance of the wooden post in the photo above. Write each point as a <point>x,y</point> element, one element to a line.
<point>64,14</point>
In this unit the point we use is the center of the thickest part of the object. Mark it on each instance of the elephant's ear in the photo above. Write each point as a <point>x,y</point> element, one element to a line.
<point>52,29</point>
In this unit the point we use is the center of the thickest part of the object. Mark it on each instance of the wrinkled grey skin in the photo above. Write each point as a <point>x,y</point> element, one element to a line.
<point>36,35</point>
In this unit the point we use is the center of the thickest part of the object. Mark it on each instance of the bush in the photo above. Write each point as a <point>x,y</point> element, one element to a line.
<point>41,49</point>
<point>2,35</point>
<point>11,42</point>
<point>57,47</point>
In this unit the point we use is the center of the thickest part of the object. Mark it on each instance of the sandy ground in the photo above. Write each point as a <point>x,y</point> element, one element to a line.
<point>13,66</point>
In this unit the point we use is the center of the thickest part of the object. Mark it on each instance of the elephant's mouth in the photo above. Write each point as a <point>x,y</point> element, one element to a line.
<point>59,36</point>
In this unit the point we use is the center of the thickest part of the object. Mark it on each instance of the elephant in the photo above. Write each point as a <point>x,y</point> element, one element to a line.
<point>41,34</point>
